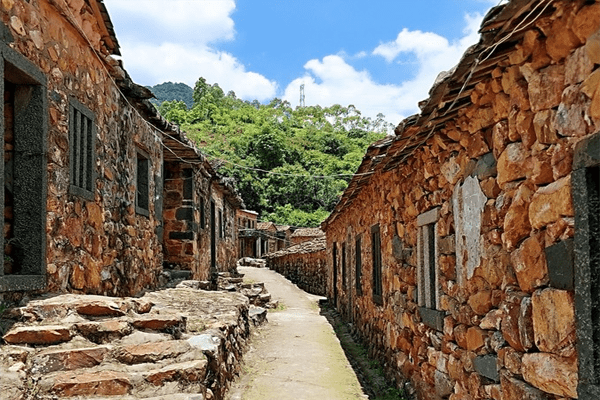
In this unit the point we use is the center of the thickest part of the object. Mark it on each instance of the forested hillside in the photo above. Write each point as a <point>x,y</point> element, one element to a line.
<point>170,91</point>
<point>290,164</point>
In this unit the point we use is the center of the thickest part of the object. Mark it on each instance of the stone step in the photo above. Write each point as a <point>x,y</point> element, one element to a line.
<point>104,331</point>
<point>92,383</point>
<point>48,361</point>
<point>138,381</point>
<point>158,322</point>
<point>152,352</point>
<point>38,335</point>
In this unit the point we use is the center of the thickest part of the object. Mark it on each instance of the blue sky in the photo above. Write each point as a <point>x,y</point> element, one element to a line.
<point>379,55</point>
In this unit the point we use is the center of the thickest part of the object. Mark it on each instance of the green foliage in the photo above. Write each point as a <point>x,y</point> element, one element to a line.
<point>289,149</point>
<point>170,91</point>
<point>292,216</point>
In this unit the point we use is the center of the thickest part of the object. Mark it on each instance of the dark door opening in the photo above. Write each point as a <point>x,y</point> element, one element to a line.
<point>213,241</point>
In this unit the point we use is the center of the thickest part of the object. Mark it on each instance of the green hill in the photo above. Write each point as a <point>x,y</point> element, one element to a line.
<point>290,165</point>
<point>170,91</point>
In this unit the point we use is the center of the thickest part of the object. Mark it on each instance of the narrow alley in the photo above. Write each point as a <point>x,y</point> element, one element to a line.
<point>297,354</point>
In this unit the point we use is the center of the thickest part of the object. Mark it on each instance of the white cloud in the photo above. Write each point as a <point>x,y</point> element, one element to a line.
<point>180,63</point>
<point>177,46</point>
<point>200,21</point>
<point>333,80</point>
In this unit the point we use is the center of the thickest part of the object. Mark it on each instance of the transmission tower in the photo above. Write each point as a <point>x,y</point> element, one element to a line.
<point>302,104</point>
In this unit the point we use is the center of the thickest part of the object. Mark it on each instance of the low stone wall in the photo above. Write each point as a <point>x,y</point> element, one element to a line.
<point>178,343</point>
<point>304,264</point>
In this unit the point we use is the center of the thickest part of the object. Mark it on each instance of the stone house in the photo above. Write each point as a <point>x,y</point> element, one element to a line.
<point>246,224</point>
<point>199,212</point>
<point>83,161</point>
<point>465,250</point>
<point>267,240</point>
<point>284,236</point>
<point>301,235</point>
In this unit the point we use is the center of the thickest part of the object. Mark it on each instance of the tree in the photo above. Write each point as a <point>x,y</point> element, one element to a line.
<point>298,146</point>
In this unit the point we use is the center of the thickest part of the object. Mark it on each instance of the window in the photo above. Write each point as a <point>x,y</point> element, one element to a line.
<point>358,261</point>
<point>25,124</point>
<point>188,184</point>
<point>202,214</point>
<point>586,198</point>
<point>221,224</point>
<point>81,150</point>
<point>428,289</point>
<point>344,277</point>
<point>335,272</point>
<point>142,198</point>
<point>377,269</point>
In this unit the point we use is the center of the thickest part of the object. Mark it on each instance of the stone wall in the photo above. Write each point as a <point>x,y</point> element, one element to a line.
<point>476,222</point>
<point>304,264</point>
<point>98,243</point>
<point>189,191</point>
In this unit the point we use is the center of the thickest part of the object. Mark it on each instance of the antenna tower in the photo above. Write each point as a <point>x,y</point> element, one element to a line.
<point>302,104</point>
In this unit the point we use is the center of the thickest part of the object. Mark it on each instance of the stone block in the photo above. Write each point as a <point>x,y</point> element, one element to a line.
<point>545,86</point>
<point>550,203</point>
<point>512,163</point>
<point>104,331</point>
<point>553,316</point>
<point>486,167</point>
<point>487,366</point>
<point>68,360</point>
<point>46,335</point>
<point>101,383</point>
<point>432,318</point>
<point>152,352</point>
<point>158,322</point>
<point>447,245</point>
<point>190,371</point>
<point>560,260</point>
<point>529,264</point>
<point>551,373</point>
<point>515,389</point>
<point>475,338</point>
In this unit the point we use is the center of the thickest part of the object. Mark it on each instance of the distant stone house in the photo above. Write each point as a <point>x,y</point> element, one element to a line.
<point>246,225</point>
<point>465,250</point>
<point>301,235</point>
<point>83,160</point>
<point>199,213</point>
<point>267,241</point>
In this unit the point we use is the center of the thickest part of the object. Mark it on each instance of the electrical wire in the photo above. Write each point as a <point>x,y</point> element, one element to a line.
<point>155,129</point>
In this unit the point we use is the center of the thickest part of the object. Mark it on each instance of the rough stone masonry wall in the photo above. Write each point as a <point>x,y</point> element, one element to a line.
<point>305,265</point>
<point>99,246</point>
<point>508,328</point>
<point>227,241</point>
<point>186,212</point>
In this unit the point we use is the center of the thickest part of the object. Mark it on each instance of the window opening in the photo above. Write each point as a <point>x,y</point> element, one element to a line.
<point>377,267</point>
<point>358,260</point>
<point>142,187</point>
<point>81,150</point>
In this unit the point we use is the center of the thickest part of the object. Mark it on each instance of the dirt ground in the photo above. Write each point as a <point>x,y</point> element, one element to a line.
<point>296,356</point>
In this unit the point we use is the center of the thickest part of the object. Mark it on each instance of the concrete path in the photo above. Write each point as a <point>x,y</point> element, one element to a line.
<point>296,356</point>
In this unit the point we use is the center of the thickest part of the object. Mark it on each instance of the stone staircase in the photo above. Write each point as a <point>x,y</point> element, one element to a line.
<point>178,343</point>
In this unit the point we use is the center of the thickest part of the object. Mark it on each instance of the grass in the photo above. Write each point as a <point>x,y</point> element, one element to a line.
<point>280,307</point>
<point>369,370</point>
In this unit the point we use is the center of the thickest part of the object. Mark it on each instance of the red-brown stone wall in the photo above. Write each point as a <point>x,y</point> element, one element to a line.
<point>526,117</point>
<point>306,266</point>
<point>101,245</point>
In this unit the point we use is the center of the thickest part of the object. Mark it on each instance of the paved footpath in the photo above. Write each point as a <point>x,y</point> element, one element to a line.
<point>296,356</point>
